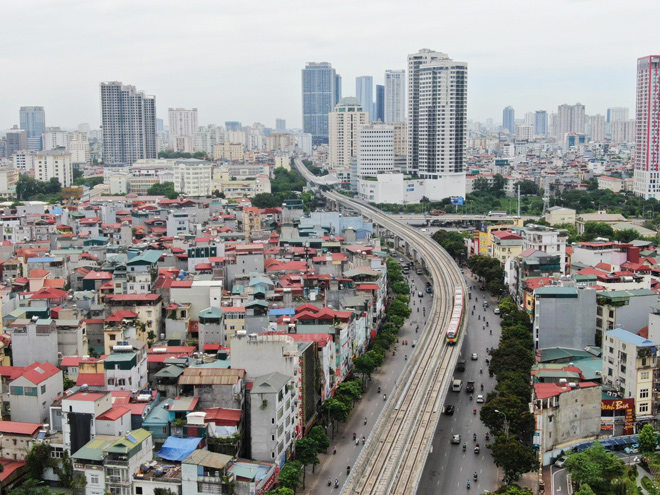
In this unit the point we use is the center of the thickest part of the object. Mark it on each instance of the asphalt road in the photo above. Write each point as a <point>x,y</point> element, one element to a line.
<point>333,466</point>
<point>448,468</point>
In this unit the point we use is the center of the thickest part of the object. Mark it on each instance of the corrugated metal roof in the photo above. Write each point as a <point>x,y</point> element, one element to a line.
<point>211,376</point>
<point>208,459</point>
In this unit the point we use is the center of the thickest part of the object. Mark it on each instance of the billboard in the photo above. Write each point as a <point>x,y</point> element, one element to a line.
<point>457,200</point>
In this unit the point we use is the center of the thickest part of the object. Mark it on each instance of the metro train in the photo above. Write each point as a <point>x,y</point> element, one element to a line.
<point>456,321</point>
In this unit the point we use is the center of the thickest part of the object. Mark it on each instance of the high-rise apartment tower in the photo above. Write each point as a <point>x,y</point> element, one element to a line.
<point>33,121</point>
<point>128,119</point>
<point>395,95</point>
<point>647,128</point>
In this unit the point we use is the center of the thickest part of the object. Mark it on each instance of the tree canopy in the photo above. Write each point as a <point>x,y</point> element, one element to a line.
<point>514,457</point>
<point>163,189</point>
<point>30,189</point>
<point>595,467</point>
<point>453,242</point>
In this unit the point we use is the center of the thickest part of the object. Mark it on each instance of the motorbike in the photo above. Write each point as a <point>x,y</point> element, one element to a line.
<point>329,482</point>
<point>365,421</point>
<point>384,396</point>
<point>348,470</point>
<point>475,476</point>
<point>464,447</point>
<point>487,436</point>
<point>468,484</point>
<point>354,435</point>
<point>482,387</point>
<point>363,440</point>
<point>474,437</point>
<point>474,410</point>
<point>336,483</point>
<point>378,389</point>
<point>476,450</point>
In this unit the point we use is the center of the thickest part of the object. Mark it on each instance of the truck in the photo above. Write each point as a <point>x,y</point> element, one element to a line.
<point>469,388</point>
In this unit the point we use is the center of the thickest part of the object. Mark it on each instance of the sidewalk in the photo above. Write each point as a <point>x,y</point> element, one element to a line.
<point>641,472</point>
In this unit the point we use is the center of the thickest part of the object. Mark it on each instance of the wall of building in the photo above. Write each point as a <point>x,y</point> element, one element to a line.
<point>565,322</point>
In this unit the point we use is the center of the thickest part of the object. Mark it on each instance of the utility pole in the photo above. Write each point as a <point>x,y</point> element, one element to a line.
<point>518,200</point>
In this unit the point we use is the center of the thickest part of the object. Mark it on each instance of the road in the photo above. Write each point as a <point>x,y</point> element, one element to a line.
<point>371,404</point>
<point>447,467</point>
<point>392,460</point>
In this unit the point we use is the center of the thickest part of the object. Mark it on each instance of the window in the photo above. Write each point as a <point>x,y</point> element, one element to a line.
<point>16,390</point>
<point>644,375</point>
<point>31,391</point>
<point>94,479</point>
<point>643,408</point>
<point>43,389</point>
<point>113,337</point>
<point>138,490</point>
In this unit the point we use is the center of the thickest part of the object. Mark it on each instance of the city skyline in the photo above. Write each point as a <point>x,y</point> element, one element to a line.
<point>541,74</point>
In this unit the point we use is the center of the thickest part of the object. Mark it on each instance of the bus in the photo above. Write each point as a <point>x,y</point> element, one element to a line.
<point>497,213</point>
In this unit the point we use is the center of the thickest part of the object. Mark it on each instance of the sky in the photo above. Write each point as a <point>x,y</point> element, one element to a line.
<point>242,60</point>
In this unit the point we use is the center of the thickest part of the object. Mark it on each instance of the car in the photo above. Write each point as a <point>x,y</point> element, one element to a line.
<point>496,311</point>
<point>429,289</point>
<point>449,410</point>
<point>456,439</point>
<point>420,294</point>
<point>414,343</point>
<point>480,399</point>
<point>475,356</point>
<point>561,462</point>
<point>631,450</point>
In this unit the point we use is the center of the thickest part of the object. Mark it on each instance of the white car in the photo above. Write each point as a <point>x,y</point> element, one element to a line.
<point>496,311</point>
<point>456,439</point>
<point>561,462</point>
<point>480,399</point>
<point>475,356</point>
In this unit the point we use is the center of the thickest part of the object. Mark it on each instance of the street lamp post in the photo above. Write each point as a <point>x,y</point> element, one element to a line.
<point>506,423</point>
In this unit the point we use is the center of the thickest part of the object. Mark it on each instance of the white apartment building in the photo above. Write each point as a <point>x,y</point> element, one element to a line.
<point>119,183</point>
<point>597,128</point>
<point>375,149</point>
<point>304,142</point>
<point>395,96</point>
<point>614,114</point>
<point>54,163</point>
<point>207,137</point>
<point>629,362</point>
<point>183,122</point>
<point>524,132</point>
<point>192,177</point>
<point>272,413</point>
<point>623,131</point>
<point>437,122</point>
<point>570,118</point>
<point>79,148</point>
<point>8,179</point>
<point>24,160</point>
<point>54,137</point>
<point>546,239</point>
<point>343,123</point>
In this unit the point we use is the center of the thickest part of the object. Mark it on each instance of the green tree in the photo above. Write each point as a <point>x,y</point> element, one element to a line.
<point>336,411</point>
<point>399,308</point>
<point>452,242</point>
<point>306,453</point>
<point>37,460</point>
<point>266,200</point>
<point>290,475</point>
<point>424,200</point>
<point>68,477</point>
<point>499,183</point>
<point>527,187</point>
<point>507,306</point>
<point>320,438</point>
<point>163,189</point>
<point>68,383</point>
<point>516,411</point>
<point>32,486</point>
<point>585,490</point>
<point>626,235</point>
<point>511,356</point>
<point>365,365</point>
<point>400,288</point>
<point>648,440</point>
<point>514,457</point>
<point>592,230</point>
<point>595,466</point>
<point>481,184</point>
<point>512,490</point>
<point>280,491</point>
<point>514,385</point>
<point>349,392</point>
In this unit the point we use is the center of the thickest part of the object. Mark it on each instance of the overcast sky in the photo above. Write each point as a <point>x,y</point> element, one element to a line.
<point>242,60</point>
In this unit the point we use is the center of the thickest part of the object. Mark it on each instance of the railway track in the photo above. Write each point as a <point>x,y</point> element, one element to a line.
<point>393,458</point>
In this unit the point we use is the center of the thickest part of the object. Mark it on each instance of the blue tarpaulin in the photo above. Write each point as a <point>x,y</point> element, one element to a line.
<point>178,449</point>
<point>282,312</point>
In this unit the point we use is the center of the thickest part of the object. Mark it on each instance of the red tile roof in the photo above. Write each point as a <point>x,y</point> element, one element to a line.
<point>133,297</point>
<point>121,314</point>
<point>87,396</point>
<point>368,287</point>
<point>18,428</point>
<point>38,372</point>
<point>93,275</point>
<point>223,417</point>
<point>91,379</point>
<point>113,414</point>
<point>39,273</point>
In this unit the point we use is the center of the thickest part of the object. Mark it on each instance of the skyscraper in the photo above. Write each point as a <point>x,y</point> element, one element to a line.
<point>509,119</point>
<point>615,114</point>
<point>128,119</point>
<point>321,91</point>
<point>437,121</point>
<point>183,126</point>
<point>380,104</point>
<point>395,95</point>
<point>647,146</point>
<point>364,92</point>
<point>16,141</point>
<point>541,123</point>
<point>570,118</point>
<point>33,121</point>
<point>597,126</point>
<point>280,126</point>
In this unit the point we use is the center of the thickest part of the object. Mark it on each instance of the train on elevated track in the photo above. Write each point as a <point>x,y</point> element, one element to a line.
<point>456,322</point>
